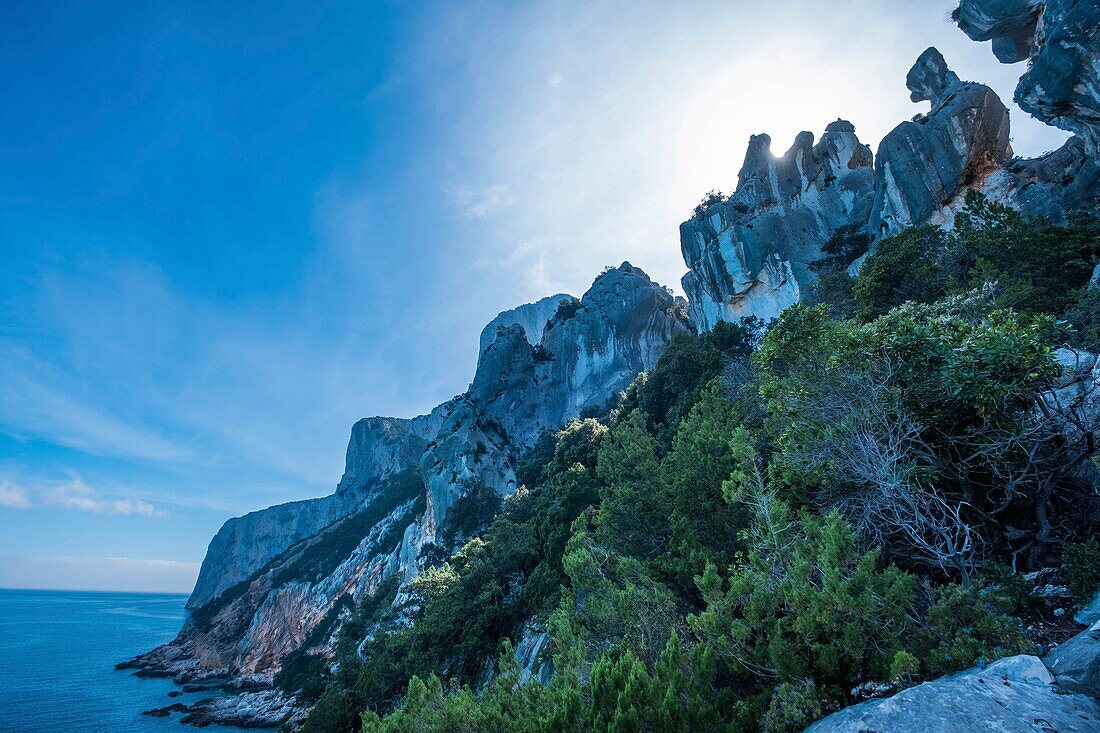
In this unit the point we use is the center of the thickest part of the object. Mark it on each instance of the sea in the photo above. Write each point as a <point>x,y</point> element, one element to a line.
<point>57,655</point>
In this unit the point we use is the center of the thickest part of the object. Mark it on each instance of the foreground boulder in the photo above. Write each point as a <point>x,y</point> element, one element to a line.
<point>1013,695</point>
<point>1076,663</point>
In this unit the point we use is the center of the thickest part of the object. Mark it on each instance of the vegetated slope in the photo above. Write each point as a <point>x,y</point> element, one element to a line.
<point>753,538</point>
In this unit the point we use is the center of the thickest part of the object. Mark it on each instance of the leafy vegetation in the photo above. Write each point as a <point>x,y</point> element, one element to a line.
<point>709,199</point>
<point>767,520</point>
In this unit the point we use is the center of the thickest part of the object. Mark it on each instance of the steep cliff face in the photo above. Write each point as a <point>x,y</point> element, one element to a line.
<point>585,355</point>
<point>532,318</point>
<point>753,254</point>
<point>286,576</point>
<point>379,449</point>
<point>1060,40</point>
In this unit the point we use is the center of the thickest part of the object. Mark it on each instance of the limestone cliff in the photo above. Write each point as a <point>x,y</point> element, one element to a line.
<point>922,164</point>
<point>282,577</point>
<point>751,255</point>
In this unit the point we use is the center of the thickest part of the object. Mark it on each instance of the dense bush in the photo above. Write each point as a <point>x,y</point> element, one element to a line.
<point>711,198</point>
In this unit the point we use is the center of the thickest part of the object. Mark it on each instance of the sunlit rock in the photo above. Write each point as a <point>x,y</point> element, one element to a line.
<point>752,255</point>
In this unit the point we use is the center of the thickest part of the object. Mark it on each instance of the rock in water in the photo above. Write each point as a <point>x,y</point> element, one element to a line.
<point>1060,39</point>
<point>1013,695</point>
<point>263,709</point>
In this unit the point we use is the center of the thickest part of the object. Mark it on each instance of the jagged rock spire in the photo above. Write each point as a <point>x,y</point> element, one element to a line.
<point>930,77</point>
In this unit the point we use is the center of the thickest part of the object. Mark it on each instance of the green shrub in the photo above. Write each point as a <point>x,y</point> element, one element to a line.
<point>793,707</point>
<point>1083,317</point>
<point>905,669</point>
<point>965,627</point>
<point>1082,564</point>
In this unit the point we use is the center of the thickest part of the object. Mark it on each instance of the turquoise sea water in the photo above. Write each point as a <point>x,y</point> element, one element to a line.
<point>57,657</point>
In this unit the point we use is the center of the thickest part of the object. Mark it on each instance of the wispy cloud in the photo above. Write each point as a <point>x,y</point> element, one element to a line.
<point>479,202</point>
<point>33,401</point>
<point>13,496</point>
<point>72,493</point>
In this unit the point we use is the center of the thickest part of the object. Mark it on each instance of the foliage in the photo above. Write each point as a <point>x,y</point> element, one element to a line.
<point>470,516</point>
<point>709,199</point>
<point>1082,562</point>
<point>701,460</point>
<point>965,627</point>
<point>1035,263</point>
<point>666,394</point>
<point>632,516</point>
<point>1083,316</point>
<point>793,707</point>
<point>904,669</point>
<point>807,604</point>
<point>903,268</point>
<point>842,248</point>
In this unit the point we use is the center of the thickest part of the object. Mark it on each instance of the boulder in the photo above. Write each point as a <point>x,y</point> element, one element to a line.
<point>1075,664</point>
<point>922,165</point>
<point>264,709</point>
<point>1013,695</point>
<point>1090,614</point>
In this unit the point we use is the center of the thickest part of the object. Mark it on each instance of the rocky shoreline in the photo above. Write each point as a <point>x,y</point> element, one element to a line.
<point>240,702</point>
<point>262,709</point>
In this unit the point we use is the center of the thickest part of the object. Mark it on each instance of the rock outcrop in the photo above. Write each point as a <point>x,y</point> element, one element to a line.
<point>585,355</point>
<point>287,576</point>
<point>922,165</point>
<point>532,318</point>
<point>379,449</point>
<point>1060,40</point>
<point>752,255</point>
<point>262,709</point>
<point>1012,695</point>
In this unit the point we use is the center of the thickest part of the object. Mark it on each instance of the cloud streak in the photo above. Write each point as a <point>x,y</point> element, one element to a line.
<point>73,494</point>
<point>13,496</point>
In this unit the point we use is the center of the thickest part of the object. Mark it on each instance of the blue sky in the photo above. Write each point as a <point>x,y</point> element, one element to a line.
<point>227,231</point>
